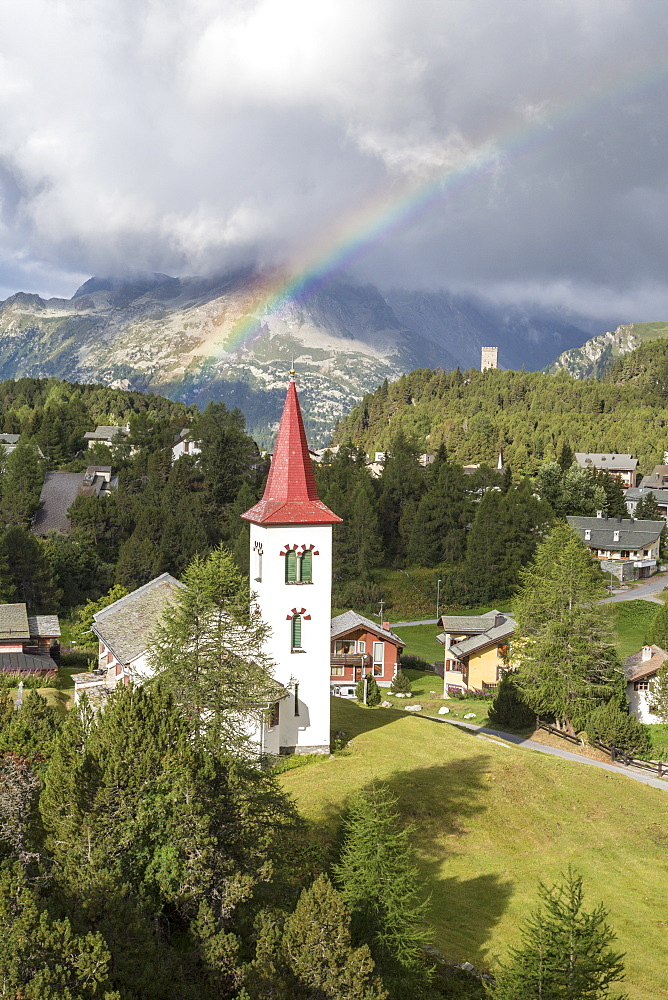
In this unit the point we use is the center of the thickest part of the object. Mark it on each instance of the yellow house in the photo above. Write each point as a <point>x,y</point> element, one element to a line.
<point>477,649</point>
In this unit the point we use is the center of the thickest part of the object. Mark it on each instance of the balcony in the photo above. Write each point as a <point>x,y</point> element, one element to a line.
<point>350,660</point>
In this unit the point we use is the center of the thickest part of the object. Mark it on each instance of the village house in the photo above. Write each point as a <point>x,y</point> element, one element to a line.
<point>124,630</point>
<point>477,650</point>
<point>105,434</point>
<point>622,467</point>
<point>28,643</point>
<point>640,669</point>
<point>626,547</point>
<point>61,489</point>
<point>185,445</point>
<point>659,476</point>
<point>634,495</point>
<point>361,647</point>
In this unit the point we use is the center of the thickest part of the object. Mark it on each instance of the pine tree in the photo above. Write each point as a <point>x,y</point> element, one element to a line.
<point>563,647</point>
<point>32,730</point>
<point>317,947</point>
<point>508,707</point>
<point>382,888</point>
<point>566,457</point>
<point>613,725</point>
<point>208,651</point>
<point>647,509</point>
<point>565,952</point>
<point>22,484</point>
<point>659,693</point>
<point>368,687</point>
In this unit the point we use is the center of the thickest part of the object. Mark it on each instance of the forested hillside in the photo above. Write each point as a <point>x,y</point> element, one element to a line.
<point>530,415</point>
<point>158,518</point>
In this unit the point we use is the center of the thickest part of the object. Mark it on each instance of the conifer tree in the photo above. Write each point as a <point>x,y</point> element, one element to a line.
<point>382,888</point>
<point>22,484</point>
<point>31,730</point>
<point>83,618</point>
<point>659,693</point>
<point>647,509</point>
<point>566,457</point>
<point>613,725</point>
<point>207,651</point>
<point>317,945</point>
<point>565,952</point>
<point>567,661</point>
<point>367,688</point>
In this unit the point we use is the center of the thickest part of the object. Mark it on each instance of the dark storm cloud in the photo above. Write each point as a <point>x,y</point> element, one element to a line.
<point>186,135</point>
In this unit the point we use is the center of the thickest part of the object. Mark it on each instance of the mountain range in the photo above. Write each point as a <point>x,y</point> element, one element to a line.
<point>198,339</point>
<point>595,356</point>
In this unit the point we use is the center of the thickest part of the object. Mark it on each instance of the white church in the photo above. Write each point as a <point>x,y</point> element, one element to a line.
<point>291,573</point>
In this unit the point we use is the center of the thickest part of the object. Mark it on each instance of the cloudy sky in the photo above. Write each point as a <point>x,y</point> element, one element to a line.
<point>517,148</point>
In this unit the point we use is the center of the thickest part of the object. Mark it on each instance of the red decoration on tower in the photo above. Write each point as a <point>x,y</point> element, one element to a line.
<point>291,496</point>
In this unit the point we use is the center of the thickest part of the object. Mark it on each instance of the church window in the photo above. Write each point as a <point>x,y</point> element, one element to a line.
<point>291,567</point>
<point>296,699</point>
<point>257,562</point>
<point>296,632</point>
<point>306,567</point>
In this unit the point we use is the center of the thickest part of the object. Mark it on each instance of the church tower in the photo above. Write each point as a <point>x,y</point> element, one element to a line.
<point>291,573</point>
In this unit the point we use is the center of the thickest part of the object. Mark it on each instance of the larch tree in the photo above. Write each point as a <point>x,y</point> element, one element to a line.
<point>565,951</point>
<point>563,647</point>
<point>207,651</point>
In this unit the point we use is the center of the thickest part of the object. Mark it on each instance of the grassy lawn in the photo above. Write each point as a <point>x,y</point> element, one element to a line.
<point>631,620</point>
<point>420,640</point>
<point>490,821</point>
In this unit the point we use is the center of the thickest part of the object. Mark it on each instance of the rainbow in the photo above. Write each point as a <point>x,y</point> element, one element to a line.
<point>402,202</point>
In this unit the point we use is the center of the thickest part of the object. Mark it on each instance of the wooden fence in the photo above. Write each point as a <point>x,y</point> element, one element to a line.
<point>615,755</point>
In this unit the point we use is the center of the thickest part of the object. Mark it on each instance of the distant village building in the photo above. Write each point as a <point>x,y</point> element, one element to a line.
<point>489,358</point>
<point>477,650</point>
<point>634,495</point>
<point>359,647</point>
<point>622,467</point>
<point>61,489</point>
<point>28,643</point>
<point>105,435</point>
<point>185,445</point>
<point>658,479</point>
<point>625,547</point>
<point>640,670</point>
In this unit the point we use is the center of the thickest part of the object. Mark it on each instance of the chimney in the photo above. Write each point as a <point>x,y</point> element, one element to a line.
<point>587,534</point>
<point>386,626</point>
<point>599,513</point>
<point>646,653</point>
<point>615,536</point>
<point>619,519</point>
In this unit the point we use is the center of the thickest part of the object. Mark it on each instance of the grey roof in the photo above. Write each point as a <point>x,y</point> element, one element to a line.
<point>14,622</point>
<point>9,438</point>
<point>350,620</point>
<point>606,460</point>
<point>659,477</point>
<point>104,432</point>
<point>636,668</point>
<point>44,626</point>
<point>468,624</point>
<point>633,533</point>
<point>638,492</point>
<point>126,626</point>
<point>59,492</point>
<point>488,638</point>
<point>25,661</point>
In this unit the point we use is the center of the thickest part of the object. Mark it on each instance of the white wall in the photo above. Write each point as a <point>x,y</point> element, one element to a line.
<point>639,703</point>
<point>276,599</point>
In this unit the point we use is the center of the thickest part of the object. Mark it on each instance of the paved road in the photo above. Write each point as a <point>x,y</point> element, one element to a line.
<point>643,592</point>
<point>574,758</point>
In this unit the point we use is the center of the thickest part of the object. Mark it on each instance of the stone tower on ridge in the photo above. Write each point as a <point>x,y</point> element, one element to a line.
<point>489,358</point>
<point>291,573</point>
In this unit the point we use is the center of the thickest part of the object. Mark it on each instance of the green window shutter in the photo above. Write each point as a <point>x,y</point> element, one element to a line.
<point>297,632</point>
<point>307,567</point>
<point>290,567</point>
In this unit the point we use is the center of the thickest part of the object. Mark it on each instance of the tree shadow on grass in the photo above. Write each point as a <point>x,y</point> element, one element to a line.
<point>441,802</point>
<point>353,719</point>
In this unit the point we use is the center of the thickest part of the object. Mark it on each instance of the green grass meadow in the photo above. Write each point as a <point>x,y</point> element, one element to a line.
<point>490,820</point>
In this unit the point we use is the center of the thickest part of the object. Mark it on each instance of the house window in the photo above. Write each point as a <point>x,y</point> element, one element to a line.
<point>344,647</point>
<point>337,671</point>
<point>378,652</point>
<point>296,628</point>
<point>641,685</point>
<point>625,553</point>
<point>361,646</point>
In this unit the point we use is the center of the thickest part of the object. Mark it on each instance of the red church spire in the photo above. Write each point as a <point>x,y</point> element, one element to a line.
<point>291,496</point>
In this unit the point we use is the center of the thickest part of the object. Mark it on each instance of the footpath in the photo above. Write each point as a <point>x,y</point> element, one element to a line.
<point>485,732</point>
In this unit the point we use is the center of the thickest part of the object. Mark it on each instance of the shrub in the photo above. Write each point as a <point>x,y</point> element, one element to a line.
<point>31,679</point>
<point>401,683</point>
<point>613,726</point>
<point>412,662</point>
<point>372,691</point>
<point>361,594</point>
<point>508,709</point>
